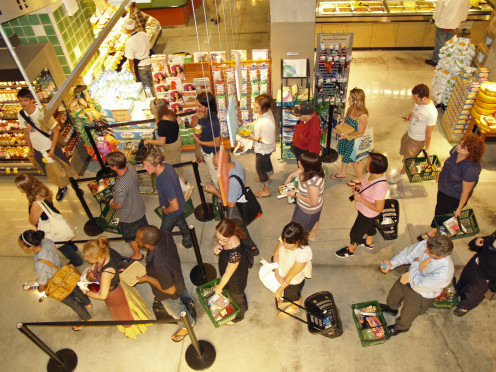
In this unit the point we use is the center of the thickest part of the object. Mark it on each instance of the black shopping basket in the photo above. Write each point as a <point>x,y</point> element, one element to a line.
<point>387,223</point>
<point>322,314</point>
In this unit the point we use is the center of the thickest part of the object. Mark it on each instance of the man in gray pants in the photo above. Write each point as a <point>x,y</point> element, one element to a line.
<point>431,270</point>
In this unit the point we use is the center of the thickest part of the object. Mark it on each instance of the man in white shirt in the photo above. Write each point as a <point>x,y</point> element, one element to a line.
<point>39,143</point>
<point>447,16</point>
<point>431,270</point>
<point>421,124</point>
<point>137,51</point>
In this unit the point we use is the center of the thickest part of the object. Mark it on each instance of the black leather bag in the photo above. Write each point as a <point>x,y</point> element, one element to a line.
<point>250,210</point>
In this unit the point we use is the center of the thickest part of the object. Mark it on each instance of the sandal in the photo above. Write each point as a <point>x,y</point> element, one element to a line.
<point>259,195</point>
<point>179,337</point>
<point>77,328</point>
<point>335,176</point>
<point>353,183</point>
<point>90,306</point>
<point>288,312</point>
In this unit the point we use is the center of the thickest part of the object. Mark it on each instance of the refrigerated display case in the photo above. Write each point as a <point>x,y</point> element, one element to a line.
<point>393,23</point>
<point>43,68</point>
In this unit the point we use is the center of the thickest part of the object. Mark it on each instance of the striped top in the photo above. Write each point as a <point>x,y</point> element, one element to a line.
<point>303,190</point>
<point>126,194</point>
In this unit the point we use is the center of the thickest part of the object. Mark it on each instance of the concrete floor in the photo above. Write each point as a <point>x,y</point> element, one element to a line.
<point>437,341</point>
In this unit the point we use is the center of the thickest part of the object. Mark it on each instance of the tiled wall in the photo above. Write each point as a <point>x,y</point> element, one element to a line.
<point>70,35</point>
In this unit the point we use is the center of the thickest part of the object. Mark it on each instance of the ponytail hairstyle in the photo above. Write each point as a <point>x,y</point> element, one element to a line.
<point>31,238</point>
<point>228,228</point>
<point>96,249</point>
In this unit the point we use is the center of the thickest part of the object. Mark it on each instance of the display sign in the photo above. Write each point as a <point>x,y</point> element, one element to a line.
<point>294,68</point>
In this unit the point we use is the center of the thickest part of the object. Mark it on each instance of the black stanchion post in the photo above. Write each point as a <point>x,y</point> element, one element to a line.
<point>201,273</point>
<point>90,227</point>
<point>104,171</point>
<point>205,211</point>
<point>329,155</point>
<point>201,354</point>
<point>64,360</point>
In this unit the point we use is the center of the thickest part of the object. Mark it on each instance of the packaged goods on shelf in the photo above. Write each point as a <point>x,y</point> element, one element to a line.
<point>456,55</point>
<point>465,92</point>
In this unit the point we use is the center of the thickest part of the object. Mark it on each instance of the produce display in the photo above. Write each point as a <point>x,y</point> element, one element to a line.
<point>454,56</point>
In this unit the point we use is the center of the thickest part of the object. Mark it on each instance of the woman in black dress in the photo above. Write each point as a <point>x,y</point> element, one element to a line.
<point>233,264</point>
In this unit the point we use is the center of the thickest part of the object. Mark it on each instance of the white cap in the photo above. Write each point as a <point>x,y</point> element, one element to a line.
<point>129,24</point>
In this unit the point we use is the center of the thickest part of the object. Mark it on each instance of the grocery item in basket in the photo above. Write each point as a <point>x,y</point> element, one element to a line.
<point>373,321</point>
<point>454,226</point>
<point>219,306</point>
<point>114,222</point>
<point>448,294</point>
<point>378,332</point>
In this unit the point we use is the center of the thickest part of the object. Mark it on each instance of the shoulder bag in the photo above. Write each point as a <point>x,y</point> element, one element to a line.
<point>250,210</point>
<point>60,140</point>
<point>363,145</point>
<point>63,282</point>
<point>55,227</point>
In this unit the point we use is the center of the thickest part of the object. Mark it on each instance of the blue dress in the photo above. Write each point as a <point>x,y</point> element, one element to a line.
<point>345,147</point>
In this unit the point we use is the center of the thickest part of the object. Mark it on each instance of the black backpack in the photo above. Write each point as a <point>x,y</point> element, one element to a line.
<point>250,210</point>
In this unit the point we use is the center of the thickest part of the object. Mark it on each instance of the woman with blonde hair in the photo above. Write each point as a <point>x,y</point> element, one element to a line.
<point>357,118</point>
<point>123,302</point>
<point>39,196</point>
<point>168,133</point>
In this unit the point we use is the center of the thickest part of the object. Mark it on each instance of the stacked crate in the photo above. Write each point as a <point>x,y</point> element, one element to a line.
<point>458,113</point>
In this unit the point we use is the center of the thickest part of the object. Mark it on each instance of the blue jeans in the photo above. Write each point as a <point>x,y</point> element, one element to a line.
<point>175,307</point>
<point>145,75</point>
<point>442,36</point>
<point>77,302</point>
<point>169,222</point>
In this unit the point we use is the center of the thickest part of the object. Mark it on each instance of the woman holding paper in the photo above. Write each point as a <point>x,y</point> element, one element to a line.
<point>457,179</point>
<point>264,141</point>
<point>357,118</point>
<point>233,264</point>
<point>123,302</point>
<point>294,258</point>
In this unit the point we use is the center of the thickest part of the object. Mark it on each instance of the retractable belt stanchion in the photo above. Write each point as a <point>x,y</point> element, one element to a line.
<point>90,227</point>
<point>201,273</point>
<point>205,212</point>
<point>201,354</point>
<point>329,155</point>
<point>64,360</point>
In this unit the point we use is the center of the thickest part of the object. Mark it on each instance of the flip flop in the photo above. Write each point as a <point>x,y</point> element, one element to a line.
<point>77,328</point>
<point>258,195</point>
<point>353,183</point>
<point>284,315</point>
<point>90,306</point>
<point>335,176</point>
<point>179,338</point>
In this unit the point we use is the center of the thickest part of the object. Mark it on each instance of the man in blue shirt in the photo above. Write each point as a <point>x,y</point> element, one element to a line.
<point>431,270</point>
<point>170,194</point>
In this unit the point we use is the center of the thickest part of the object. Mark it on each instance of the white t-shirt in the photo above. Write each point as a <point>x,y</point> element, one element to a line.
<point>38,140</point>
<point>287,258</point>
<point>265,128</point>
<point>450,13</point>
<point>423,116</point>
<point>138,47</point>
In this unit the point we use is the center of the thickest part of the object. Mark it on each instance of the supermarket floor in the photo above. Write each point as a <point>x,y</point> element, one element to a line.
<point>437,341</point>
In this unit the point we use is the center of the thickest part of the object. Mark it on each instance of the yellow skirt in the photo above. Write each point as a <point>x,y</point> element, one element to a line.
<point>139,310</point>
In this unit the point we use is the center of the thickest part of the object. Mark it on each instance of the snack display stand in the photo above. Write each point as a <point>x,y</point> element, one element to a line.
<point>365,332</point>
<point>204,291</point>
<point>332,70</point>
<point>292,95</point>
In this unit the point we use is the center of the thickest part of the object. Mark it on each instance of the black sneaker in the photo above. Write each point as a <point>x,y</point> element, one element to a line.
<point>363,243</point>
<point>344,253</point>
<point>61,193</point>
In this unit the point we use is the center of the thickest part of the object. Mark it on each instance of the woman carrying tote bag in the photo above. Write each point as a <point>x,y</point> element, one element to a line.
<point>45,216</point>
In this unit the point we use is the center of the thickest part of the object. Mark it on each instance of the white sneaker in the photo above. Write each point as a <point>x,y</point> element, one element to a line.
<point>397,178</point>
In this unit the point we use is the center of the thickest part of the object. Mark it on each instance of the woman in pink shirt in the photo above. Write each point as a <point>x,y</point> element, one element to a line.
<point>369,199</point>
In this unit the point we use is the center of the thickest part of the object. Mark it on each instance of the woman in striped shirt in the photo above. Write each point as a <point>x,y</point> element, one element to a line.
<point>309,196</point>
